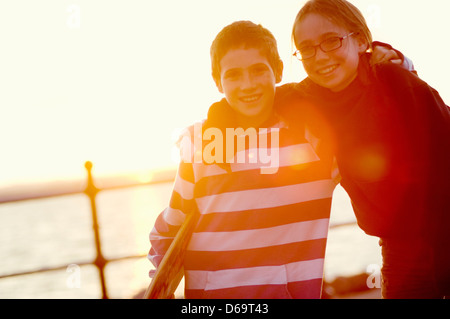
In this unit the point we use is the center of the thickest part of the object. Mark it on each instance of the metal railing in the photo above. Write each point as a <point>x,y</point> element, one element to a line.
<point>55,189</point>
<point>91,190</point>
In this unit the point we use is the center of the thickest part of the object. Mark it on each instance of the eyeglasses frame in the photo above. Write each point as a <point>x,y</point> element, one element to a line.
<point>341,39</point>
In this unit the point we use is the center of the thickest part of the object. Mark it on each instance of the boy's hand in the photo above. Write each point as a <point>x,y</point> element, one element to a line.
<point>382,54</point>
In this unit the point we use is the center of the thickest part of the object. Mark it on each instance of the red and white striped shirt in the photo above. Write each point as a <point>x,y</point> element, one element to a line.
<point>258,235</point>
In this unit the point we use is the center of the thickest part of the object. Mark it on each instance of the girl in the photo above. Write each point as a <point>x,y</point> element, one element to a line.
<point>391,134</point>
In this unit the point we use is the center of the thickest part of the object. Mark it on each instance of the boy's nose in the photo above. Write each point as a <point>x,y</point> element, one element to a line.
<point>248,81</point>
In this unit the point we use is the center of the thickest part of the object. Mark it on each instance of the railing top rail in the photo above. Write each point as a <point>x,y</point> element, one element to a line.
<point>54,188</point>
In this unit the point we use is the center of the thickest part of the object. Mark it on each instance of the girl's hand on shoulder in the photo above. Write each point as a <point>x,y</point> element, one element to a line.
<point>383,54</point>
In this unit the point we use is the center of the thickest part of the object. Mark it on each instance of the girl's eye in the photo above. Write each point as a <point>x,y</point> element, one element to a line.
<point>331,44</point>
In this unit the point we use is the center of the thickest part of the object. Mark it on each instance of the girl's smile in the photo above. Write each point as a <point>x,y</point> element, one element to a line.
<point>327,70</point>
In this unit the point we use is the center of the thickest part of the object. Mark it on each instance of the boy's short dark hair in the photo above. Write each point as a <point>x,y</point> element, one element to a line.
<point>244,34</point>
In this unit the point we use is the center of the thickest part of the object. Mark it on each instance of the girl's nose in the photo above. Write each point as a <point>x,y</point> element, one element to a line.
<point>320,55</point>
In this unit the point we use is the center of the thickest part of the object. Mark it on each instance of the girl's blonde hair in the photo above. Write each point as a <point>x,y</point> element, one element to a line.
<point>339,12</point>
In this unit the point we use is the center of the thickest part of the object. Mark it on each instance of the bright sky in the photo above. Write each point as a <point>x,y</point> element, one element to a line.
<point>110,81</point>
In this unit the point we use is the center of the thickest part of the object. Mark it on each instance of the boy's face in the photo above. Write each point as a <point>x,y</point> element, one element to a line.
<point>248,82</point>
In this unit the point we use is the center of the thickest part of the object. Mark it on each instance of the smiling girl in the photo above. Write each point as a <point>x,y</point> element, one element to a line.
<point>392,145</point>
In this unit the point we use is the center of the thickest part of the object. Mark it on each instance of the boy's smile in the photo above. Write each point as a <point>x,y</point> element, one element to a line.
<point>248,82</point>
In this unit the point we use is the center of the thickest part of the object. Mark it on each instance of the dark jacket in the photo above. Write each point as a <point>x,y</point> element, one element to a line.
<point>390,132</point>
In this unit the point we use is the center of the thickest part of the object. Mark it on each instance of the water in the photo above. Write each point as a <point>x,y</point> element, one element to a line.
<point>58,231</point>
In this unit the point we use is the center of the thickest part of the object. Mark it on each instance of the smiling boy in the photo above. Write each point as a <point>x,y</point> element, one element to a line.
<point>248,82</point>
<point>258,235</point>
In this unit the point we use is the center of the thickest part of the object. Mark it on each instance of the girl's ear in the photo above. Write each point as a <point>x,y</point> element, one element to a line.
<point>362,43</point>
<point>279,72</point>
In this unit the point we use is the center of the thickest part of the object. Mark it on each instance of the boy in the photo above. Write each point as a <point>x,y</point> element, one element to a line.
<point>261,230</point>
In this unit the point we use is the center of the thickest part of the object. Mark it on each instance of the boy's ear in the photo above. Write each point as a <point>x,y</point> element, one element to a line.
<point>279,72</point>
<point>219,85</point>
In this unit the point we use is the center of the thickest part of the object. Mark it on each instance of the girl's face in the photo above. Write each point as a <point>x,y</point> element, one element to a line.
<point>334,70</point>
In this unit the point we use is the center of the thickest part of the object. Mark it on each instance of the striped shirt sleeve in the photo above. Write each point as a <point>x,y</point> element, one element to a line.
<point>181,203</point>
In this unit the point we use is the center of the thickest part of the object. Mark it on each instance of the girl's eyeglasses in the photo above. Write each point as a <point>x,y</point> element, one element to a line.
<point>327,45</point>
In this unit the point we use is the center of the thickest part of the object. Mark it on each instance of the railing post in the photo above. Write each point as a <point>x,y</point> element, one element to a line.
<point>91,191</point>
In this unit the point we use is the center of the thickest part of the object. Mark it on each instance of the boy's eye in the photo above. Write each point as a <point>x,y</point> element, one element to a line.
<point>236,74</point>
<point>232,75</point>
<point>259,70</point>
